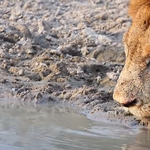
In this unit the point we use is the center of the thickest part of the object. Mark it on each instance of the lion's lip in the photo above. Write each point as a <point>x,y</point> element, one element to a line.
<point>130,103</point>
<point>134,102</point>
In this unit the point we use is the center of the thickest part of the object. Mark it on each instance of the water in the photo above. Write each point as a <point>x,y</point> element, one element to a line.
<point>60,128</point>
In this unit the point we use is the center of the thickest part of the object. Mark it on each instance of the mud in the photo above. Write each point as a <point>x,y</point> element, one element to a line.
<point>64,51</point>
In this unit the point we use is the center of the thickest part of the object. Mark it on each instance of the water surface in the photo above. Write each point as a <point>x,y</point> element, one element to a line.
<point>53,127</point>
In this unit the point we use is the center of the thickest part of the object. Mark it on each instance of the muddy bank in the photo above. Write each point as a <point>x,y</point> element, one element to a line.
<point>64,51</point>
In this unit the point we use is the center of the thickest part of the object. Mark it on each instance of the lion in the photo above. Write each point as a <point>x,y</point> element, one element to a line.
<point>133,86</point>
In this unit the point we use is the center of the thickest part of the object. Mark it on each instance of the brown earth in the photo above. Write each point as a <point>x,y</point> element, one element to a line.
<point>65,51</point>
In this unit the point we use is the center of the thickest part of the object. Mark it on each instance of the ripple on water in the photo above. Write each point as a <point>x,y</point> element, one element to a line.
<point>61,128</point>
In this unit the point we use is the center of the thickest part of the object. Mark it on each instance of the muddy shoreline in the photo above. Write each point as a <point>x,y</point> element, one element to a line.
<point>64,51</point>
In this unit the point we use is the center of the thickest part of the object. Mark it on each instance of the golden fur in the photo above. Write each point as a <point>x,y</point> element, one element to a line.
<point>133,87</point>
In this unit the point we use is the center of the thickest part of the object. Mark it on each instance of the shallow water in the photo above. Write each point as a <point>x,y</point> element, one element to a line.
<point>50,127</point>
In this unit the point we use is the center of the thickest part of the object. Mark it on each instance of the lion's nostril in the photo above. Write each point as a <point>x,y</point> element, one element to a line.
<point>129,103</point>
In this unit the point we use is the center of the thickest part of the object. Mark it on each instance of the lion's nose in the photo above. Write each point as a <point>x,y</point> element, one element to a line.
<point>129,103</point>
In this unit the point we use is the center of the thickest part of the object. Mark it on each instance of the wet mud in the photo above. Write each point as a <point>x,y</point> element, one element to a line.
<point>64,51</point>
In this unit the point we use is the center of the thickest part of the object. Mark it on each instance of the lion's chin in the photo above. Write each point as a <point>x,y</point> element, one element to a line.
<point>139,111</point>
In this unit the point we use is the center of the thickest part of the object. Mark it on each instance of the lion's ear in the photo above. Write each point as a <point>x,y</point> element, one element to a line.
<point>134,6</point>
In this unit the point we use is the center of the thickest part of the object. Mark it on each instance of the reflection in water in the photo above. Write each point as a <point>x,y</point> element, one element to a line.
<point>142,141</point>
<point>60,128</point>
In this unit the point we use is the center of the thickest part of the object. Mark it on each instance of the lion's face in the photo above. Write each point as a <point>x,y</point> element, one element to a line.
<point>133,86</point>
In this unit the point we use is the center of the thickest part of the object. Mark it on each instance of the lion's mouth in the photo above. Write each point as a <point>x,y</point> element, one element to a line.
<point>130,103</point>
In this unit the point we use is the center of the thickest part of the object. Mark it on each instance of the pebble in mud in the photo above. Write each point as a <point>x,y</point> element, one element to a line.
<point>27,5</point>
<point>112,75</point>
<point>24,30</point>
<point>21,72</point>
<point>104,16</point>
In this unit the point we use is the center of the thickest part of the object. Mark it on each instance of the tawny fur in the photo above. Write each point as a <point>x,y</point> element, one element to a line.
<point>134,80</point>
<point>134,6</point>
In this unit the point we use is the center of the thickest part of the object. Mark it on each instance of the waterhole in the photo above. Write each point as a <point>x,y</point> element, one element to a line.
<point>55,127</point>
